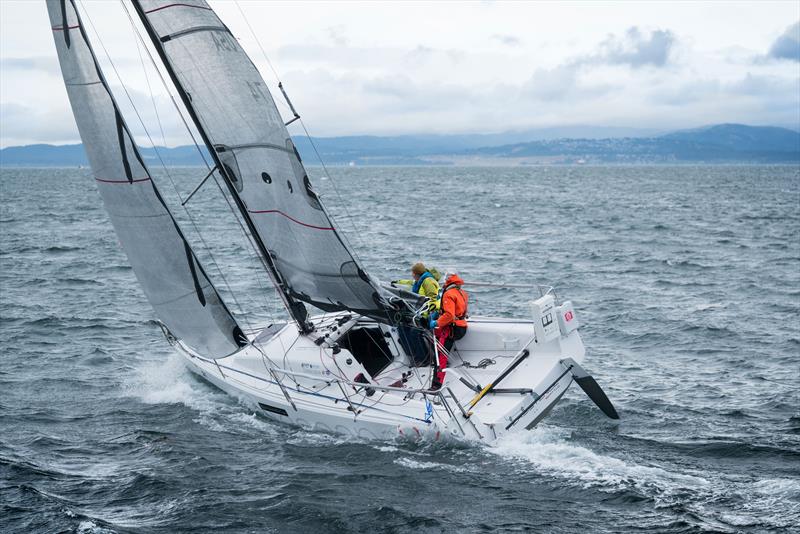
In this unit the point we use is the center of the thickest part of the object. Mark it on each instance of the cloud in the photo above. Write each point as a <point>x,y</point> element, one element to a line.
<point>636,49</point>
<point>421,53</point>
<point>24,124</point>
<point>508,40</point>
<point>787,46</point>
<point>753,97</point>
<point>633,49</point>
<point>363,58</point>
<point>563,83</point>
<point>337,35</point>
<point>553,84</point>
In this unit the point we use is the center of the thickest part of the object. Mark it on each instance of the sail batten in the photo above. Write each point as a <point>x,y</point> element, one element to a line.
<point>234,111</point>
<point>168,271</point>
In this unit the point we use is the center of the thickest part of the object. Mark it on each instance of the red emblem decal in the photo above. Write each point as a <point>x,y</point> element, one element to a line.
<point>568,316</point>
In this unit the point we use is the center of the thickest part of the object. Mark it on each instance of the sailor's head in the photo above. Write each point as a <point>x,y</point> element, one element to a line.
<point>450,274</point>
<point>417,270</point>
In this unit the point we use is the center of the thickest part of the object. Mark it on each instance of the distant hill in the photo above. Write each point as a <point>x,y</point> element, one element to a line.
<point>43,156</point>
<point>723,143</point>
<point>738,137</point>
<point>360,146</point>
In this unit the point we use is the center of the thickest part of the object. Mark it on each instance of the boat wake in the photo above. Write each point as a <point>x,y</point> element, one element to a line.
<point>722,502</point>
<point>549,450</point>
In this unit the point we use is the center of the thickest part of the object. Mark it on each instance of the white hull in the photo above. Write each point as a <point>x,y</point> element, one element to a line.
<point>289,377</point>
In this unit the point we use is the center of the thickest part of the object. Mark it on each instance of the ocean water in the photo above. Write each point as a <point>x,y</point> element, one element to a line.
<point>686,281</point>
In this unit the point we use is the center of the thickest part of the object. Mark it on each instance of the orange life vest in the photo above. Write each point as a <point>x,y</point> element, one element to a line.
<point>454,303</point>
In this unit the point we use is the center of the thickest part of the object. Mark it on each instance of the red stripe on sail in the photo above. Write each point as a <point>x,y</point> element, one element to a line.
<point>62,28</point>
<point>279,212</point>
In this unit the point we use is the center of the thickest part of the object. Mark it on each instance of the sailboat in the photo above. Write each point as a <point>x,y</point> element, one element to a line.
<point>343,367</point>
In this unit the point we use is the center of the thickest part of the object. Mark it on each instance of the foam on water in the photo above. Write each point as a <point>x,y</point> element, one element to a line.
<point>773,503</point>
<point>90,527</point>
<point>168,381</point>
<point>549,451</point>
<point>411,463</point>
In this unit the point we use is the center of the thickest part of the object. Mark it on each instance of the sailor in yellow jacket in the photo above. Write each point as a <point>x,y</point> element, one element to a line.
<point>413,339</point>
<point>425,283</point>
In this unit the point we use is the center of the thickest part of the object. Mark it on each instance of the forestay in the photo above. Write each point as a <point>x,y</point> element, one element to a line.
<point>235,112</point>
<point>167,269</point>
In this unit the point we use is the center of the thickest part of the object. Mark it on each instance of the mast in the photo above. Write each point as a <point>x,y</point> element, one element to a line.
<point>296,309</point>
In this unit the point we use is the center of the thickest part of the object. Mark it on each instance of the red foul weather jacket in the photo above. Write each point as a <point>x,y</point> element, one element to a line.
<point>454,303</point>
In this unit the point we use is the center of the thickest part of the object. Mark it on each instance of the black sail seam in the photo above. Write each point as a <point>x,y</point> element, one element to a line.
<point>190,31</point>
<point>190,258</point>
<point>123,152</point>
<point>64,23</point>
<point>189,253</point>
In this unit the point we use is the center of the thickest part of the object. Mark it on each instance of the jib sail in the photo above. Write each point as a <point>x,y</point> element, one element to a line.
<point>165,265</point>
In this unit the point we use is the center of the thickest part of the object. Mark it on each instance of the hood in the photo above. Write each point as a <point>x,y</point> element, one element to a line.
<point>454,279</point>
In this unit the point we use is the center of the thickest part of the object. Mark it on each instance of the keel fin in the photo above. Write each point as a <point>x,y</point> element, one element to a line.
<point>590,386</point>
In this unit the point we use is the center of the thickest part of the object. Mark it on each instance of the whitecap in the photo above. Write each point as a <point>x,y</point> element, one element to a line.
<point>420,464</point>
<point>169,381</point>
<point>90,527</point>
<point>786,487</point>
<point>549,451</point>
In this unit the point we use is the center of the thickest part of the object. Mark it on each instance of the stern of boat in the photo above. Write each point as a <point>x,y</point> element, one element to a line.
<point>542,353</point>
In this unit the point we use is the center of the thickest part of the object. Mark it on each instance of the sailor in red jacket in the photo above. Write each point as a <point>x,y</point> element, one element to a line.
<point>451,325</point>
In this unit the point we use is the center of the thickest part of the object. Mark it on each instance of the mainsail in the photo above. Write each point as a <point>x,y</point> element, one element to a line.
<point>237,117</point>
<point>167,268</point>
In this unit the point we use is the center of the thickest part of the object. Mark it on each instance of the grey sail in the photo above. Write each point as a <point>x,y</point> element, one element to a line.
<point>173,280</point>
<point>235,113</point>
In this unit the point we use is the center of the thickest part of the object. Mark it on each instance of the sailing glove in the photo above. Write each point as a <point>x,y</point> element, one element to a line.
<point>432,324</point>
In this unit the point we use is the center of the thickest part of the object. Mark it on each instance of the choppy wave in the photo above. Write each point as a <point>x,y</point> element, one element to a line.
<point>684,279</point>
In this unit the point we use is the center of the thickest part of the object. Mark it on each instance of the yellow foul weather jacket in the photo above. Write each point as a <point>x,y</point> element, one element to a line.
<point>428,287</point>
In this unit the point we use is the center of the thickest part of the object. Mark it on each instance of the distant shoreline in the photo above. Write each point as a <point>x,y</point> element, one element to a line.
<point>523,166</point>
<point>722,144</point>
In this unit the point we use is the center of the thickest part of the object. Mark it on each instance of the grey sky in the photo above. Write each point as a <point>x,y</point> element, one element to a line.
<point>393,68</point>
<point>787,46</point>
